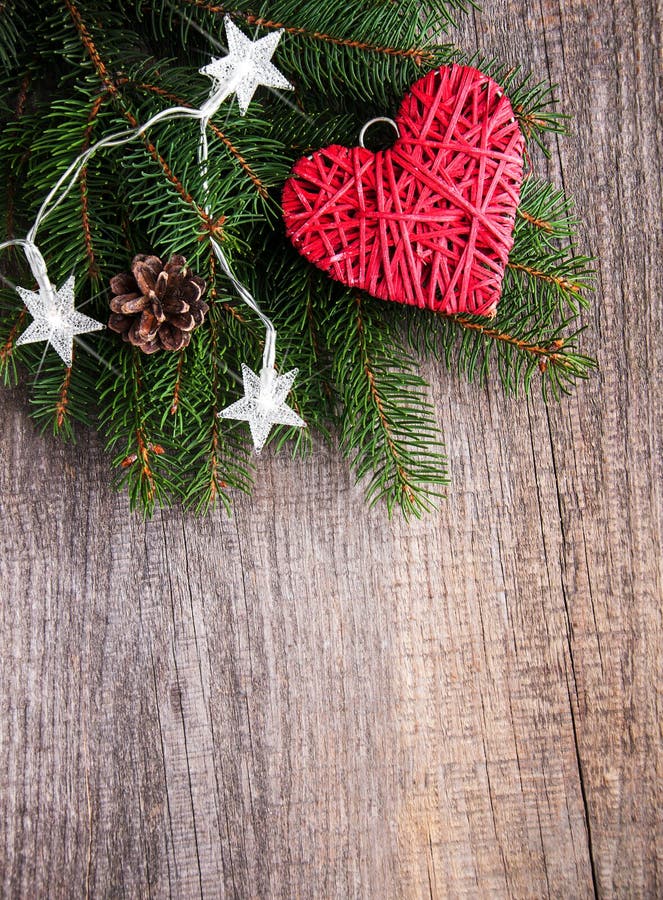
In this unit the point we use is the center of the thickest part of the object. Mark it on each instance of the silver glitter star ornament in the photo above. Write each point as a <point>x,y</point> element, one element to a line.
<point>263,404</point>
<point>246,67</point>
<point>54,318</point>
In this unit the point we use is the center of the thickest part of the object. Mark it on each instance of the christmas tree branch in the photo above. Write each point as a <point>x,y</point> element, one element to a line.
<point>90,47</point>
<point>544,208</point>
<point>563,283</point>
<point>537,223</point>
<point>550,352</point>
<point>215,485</point>
<point>7,362</point>
<point>111,85</point>
<point>219,459</point>
<point>61,395</point>
<point>520,342</point>
<point>418,55</point>
<point>126,420</point>
<point>388,428</point>
<point>180,101</point>
<point>543,264</point>
<point>21,100</point>
<point>332,45</point>
<point>10,37</point>
<point>304,328</point>
<point>8,344</point>
<point>177,388</point>
<point>62,407</point>
<point>145,486</point>
<point>93,268</point>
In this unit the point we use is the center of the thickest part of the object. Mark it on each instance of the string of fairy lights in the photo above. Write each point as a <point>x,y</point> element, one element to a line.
<point>56,321</point>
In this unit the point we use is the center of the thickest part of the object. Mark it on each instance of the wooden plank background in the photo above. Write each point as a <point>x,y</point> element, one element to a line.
<point>308,700</point>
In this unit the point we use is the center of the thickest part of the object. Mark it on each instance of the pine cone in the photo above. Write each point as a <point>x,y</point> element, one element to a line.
<point>156,307</point>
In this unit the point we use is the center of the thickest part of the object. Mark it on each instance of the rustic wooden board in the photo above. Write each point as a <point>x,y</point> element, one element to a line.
<point>308,700</point>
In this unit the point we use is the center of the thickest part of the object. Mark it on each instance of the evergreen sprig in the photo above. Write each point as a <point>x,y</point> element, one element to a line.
<point>73,71</point>
<point>388,426</point>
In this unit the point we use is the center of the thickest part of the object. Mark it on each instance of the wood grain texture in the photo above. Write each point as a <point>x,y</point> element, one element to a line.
<point>307,700</point>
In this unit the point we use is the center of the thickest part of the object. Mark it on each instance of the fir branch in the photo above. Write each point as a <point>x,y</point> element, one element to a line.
<point>550,352</point>
<point>61,396</point>
<point>219,458</point>
<point>232,149</point>
<point>177,388</point>
<point>21,101</point>
<point>74,233</point>
<point>547,209</point>
<point>519,342</point>
<point>418,55</point>
<point>544,264</point>
<point>332,47</point>
<point>91,49</point>
<point>126,417</point>
<point>7,361</point>
<point>52,402</point>
<point>532,220</point>
<point>388,428</point>
<point>93,268</point>
<point>190,393</point>
<point>563,282</point>
<point>213,225</point>
<point>303,335</point>
<point>10,35</point>
<point>62,406</point>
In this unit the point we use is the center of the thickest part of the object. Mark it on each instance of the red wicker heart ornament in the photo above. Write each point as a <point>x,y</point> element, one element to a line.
<point>428,222</point>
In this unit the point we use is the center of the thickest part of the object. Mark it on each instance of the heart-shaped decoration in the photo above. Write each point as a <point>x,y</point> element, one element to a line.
<point>429,221</point>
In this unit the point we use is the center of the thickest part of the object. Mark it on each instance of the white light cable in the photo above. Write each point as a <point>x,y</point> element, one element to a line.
<point>68,178</point>
<point>269,353</point>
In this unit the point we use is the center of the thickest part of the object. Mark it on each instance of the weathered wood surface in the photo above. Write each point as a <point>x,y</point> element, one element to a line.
<point>310,701</point>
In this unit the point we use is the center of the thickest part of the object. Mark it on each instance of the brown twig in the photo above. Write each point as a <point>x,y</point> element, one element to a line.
<point>93,268</point>
<point>144,457</point>
<point>111,85</point>
<point>538,223</point>
<point>419,55</point>
<point>174,98</point>
<point>549,352</point>
<point>7,348</point>
<point>22,95</point>
<point>61,408</point>
<point>174,406</point>
<point>89,45</point>
<point>543,276</point>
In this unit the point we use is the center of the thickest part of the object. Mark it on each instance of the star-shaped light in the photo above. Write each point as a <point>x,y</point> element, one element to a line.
<point>263,404</point>
<point>246,66</point>
<point>55,319</point>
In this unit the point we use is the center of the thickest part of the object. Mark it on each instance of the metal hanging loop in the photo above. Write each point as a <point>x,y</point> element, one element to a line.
<point>370,122</point>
